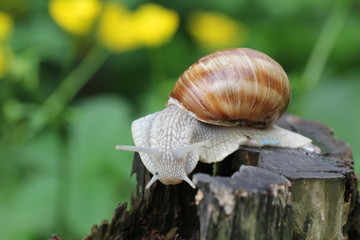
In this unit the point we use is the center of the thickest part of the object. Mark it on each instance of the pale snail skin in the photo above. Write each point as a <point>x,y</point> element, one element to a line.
<point>226,99</point>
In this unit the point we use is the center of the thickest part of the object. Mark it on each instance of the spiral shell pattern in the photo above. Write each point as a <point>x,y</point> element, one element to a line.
<point>233,86</point>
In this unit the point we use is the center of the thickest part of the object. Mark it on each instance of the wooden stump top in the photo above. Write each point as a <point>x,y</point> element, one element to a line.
<point>255,193</point>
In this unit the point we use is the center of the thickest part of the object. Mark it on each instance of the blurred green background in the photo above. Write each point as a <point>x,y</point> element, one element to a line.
<point>74,74</point>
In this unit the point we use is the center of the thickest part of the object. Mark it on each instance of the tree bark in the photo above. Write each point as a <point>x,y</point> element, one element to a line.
<point>255,193</point>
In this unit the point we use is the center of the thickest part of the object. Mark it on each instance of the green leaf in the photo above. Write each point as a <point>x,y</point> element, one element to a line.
<point>28,187</point>
<point>100,175</point>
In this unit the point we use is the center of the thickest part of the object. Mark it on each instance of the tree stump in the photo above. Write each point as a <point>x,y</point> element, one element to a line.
<point>255,193</point>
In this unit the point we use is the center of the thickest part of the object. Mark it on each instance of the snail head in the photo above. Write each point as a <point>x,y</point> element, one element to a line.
<point>169,165</point>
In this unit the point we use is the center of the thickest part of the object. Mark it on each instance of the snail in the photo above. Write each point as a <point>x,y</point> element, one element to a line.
<point>226,99</point>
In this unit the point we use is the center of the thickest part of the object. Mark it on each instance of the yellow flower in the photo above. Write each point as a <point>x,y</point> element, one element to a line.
<point>154,24</point>
<point>150,25</point>
<point>116,28</point>
<point>75,16</point>
<point>216,30</point>
<point>6,25</point>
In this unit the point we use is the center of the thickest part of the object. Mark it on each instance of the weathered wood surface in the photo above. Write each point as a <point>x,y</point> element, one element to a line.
<point>255,193</point>
<point>253,203</point>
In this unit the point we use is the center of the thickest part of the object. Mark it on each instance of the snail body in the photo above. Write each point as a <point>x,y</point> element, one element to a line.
<point>226,99</point>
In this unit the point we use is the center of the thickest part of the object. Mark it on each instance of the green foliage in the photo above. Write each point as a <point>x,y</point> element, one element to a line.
<point>28,188</point>
<point>98,175</point>
<point>52,183</point>
<point>335,102</point>
<point>65,101</point>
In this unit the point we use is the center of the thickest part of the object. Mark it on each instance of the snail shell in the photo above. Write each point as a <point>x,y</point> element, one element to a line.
<point>234,86</point>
